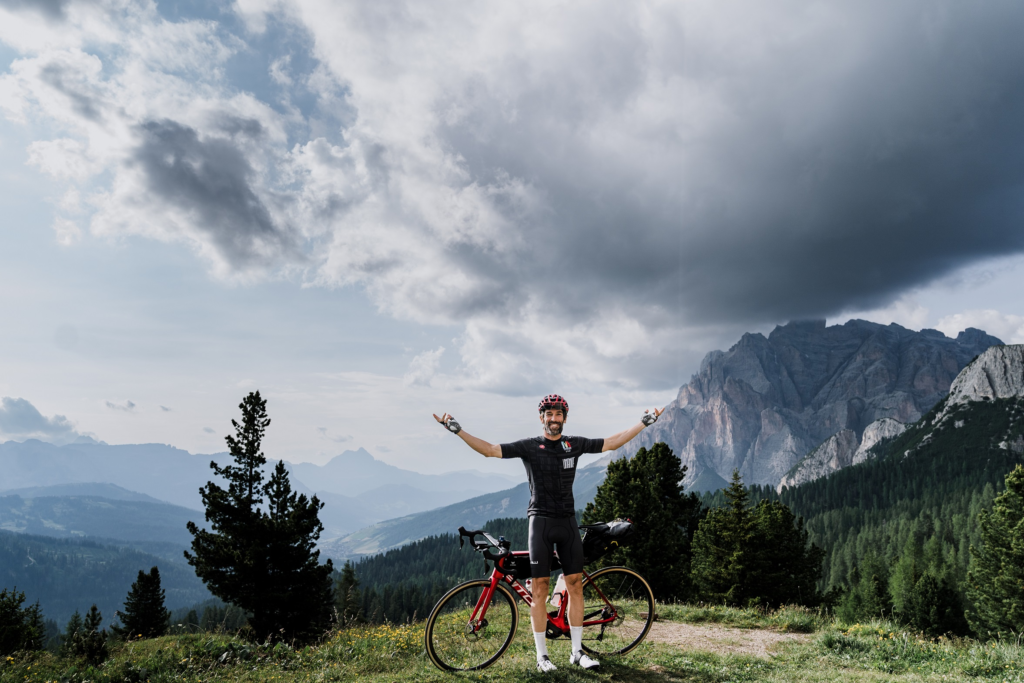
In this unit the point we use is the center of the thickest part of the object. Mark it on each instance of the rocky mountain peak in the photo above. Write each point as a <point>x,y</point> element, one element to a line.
<point>767,402</point>
<point>996,373</point>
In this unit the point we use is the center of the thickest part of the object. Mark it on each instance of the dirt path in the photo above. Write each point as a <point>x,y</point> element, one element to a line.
<point>722,639</point>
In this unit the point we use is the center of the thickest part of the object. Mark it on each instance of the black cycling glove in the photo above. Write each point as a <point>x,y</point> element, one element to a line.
<point>649,418</point>
<point>450,424</point>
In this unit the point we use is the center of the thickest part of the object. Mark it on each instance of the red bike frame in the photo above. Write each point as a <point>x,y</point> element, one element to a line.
<point>559,620</point>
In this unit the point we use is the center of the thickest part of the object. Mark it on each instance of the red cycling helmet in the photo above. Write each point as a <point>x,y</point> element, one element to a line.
<point>553,402</point>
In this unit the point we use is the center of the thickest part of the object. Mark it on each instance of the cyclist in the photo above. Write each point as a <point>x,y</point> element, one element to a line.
<point>550,462</point>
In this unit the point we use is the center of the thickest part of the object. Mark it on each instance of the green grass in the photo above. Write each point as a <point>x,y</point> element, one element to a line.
<point>788,619</point>
<point>862,652</point>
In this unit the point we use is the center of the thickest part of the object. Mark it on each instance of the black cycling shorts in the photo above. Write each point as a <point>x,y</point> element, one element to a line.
<point>545,534</point>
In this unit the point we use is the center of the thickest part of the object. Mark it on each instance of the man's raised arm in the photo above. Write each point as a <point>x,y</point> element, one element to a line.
<point>622,438</point>
<point>479,445</point>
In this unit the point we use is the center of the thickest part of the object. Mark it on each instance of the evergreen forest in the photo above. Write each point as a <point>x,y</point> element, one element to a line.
<point>892,535</point>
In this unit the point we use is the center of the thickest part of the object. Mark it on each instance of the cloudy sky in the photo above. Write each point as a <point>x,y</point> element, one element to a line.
<point>372,211</point>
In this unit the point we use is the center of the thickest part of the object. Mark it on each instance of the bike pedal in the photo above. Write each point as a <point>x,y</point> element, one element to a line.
<point>553,632</point>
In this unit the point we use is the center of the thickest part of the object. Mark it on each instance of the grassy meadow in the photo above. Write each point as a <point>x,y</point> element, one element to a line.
<point>825,651</point>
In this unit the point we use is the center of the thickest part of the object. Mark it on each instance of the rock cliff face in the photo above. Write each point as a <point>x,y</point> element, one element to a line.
<point>840,450</point>
<point>996,373</point>
<point>767,402</point>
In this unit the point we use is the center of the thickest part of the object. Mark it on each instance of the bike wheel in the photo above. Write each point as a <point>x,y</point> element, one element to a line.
<point>457,643</point>
<point>621,593</point>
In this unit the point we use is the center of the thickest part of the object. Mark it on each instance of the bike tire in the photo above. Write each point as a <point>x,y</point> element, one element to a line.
<point>451,642</point>
<point>633,602</point>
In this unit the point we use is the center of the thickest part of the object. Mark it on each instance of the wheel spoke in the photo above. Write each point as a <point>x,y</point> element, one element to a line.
<point>456,641</point>
<point>622,602</point>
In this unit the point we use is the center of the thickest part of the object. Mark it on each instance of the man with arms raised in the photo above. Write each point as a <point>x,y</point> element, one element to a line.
<point>550,462</point>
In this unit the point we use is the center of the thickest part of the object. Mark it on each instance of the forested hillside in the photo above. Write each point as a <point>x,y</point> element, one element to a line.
<point>914,507</point>
<point>65,575</point>
<point>406,582</point>
<point>925,486</point>
<point>915,504</point>
<point>97,517</point>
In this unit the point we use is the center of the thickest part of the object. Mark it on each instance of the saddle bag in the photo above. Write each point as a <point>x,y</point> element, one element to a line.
<point>601,539</point>
<point>517,566</point>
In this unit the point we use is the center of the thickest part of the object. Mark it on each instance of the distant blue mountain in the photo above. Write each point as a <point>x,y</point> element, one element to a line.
<point>357,489</point>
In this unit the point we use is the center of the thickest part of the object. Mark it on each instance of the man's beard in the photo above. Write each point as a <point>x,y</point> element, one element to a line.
<point>553,428</point>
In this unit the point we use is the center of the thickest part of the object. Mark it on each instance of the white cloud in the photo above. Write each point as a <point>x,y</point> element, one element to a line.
<point>588,189</point>
<point>20,420</point>
<point>905,311</point>
<point>126,407</point>
<point>1008,327</point>
<point>423,367</point>
<point>67,231</point>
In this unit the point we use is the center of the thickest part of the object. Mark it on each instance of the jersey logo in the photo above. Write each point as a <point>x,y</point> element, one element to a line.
<point>567,463</point>
<point>566,446</point>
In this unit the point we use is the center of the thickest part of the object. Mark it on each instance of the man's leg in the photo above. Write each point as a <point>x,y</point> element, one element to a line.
<point>574,582</point>
<point>540,565</point>
<point>539,610</point>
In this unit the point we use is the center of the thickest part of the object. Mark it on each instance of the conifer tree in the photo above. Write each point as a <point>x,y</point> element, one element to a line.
<point>260,553</point>
<point>144,614</point>
<point>995,584</point>
<point>21,628</point>
<point>71,636</point>
<point>721,548</point>
<point>648,490</point>
<point>93,640</point>
<point>755,556</point>
<point>84,639</point>
<point>868,596</point>
<point>346,595</point>
<point>784,566</point>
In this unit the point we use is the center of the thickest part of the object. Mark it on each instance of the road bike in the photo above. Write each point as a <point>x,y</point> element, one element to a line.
<point>473,624</point>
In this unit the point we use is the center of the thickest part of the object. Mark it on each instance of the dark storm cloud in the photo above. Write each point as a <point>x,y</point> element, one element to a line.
<point>19,419</point>
<point>60,78</point>
<point>53,9</point>
<point>840,172</point>
<point>211,180</point>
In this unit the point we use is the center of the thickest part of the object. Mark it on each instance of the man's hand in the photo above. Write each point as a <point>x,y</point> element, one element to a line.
<point>479,445</point>
<point>619,440</point>
<point>449,423</point>
<point>650,418</point>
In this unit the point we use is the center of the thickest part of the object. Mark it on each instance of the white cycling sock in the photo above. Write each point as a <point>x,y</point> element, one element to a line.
<point>541,641</point>
<point>576,634</point>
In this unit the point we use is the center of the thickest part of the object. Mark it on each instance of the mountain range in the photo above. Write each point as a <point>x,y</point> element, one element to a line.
<point>767,402</point>
<point>800,403</point>
<point>357,490</point>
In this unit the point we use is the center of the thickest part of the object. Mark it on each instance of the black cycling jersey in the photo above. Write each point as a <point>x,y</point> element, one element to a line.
<point>551,469</point>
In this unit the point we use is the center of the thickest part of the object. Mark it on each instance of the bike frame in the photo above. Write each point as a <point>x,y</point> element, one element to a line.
<point>559,620</point>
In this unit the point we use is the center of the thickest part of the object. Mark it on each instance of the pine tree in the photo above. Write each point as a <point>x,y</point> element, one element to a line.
<point>84,639</point>
<point>784,566</point>
<point>262,560</point>
<point>347,599</point>
<point>71,636</point>
<point>144,614</point>
<point>20,628</point>
<point>191,622</point>
<point>647,489</point>
<point>995,584</point>
<point>868,596</point>
<point>93,641</point>
<point>755,556</point>
<point>721,548</point>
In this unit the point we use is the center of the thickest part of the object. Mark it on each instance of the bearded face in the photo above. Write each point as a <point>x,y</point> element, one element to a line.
<point>553,421</point>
